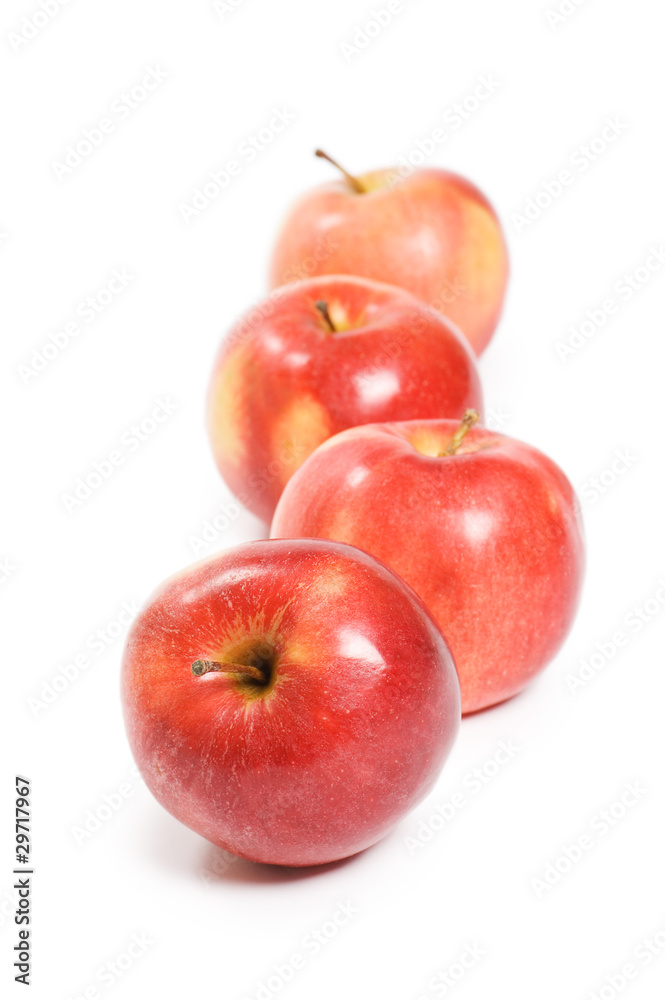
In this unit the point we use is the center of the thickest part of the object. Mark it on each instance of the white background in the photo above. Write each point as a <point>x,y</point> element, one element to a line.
<point>216,929</point>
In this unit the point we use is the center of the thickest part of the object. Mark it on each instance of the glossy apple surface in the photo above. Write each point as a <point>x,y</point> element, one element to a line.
<point>433,233</point>
<point>489,537</point>
<point>352,712</point>
<point>287,378</point>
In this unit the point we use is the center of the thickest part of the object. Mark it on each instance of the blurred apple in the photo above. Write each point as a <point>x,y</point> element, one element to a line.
<point>318,357</point>
<point>433,233</point>
<point>486,529</point>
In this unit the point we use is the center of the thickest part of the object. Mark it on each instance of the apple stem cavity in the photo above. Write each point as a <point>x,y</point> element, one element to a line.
<point>323,309</point>
<point>470,418</point>
<point>353,181</point>
<point>201,667</point>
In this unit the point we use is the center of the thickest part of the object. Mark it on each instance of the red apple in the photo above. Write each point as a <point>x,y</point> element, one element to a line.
<point>289,700</point>
<point>321,356</point>
<point>486,529</point>
<point>432,233</point>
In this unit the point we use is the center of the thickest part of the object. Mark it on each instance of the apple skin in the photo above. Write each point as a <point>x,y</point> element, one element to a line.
<point>490,538</point>
<point>351,733</point>
<point>433,233</point>
<point>283,382</point>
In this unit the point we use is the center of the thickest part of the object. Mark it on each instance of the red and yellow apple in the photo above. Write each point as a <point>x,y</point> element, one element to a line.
<point>289,700</point>
<point>433,233</point>
<point>321,356</point>
<point>486,529</point>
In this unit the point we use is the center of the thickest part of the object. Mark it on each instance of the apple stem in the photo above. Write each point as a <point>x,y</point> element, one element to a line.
<point>200,667</point>
<point>323,309</point>
<point>468,420</point>
<point>353,181</point>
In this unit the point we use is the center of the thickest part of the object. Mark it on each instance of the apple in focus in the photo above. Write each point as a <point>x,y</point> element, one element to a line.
<point>433,233</point>
<point>486,529</point>
<point>289,700</point>
<point>318,357</point>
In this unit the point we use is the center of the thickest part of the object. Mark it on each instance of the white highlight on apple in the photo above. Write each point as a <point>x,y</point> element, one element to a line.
<point>377,386</point>
<point>358,647</point>
<point>478,526</point>
<point>600,824</point>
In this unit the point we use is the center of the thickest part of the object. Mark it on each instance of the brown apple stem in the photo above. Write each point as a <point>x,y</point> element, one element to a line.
<point>323,309</point>
<point>353,181</point>
<point>200,667</point>
<point>468,420</point>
